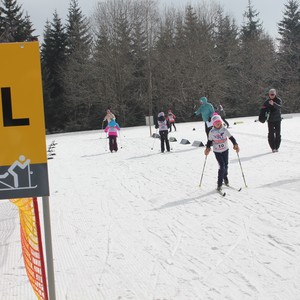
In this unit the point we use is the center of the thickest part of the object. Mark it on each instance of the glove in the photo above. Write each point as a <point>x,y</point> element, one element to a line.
<point>206,151</point>
<point>156,126</point>
<point>236,148</point>
<point>209,119</point>
<point>193,115</point>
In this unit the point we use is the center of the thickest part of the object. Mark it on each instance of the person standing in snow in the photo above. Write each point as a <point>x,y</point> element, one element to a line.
<point>163,126</point>
<point>112,130</point>
<point>206,110</point>
<point>109,117</point>
<point>273,107</point>
<point>218,139</point>
<point>220,110</point>
<point>171,119</point>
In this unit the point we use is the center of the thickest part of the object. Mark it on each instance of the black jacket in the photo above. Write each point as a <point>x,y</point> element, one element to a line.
<point>274,110</point>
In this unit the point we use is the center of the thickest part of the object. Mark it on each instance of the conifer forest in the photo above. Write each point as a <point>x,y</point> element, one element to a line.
<point>137,59</point>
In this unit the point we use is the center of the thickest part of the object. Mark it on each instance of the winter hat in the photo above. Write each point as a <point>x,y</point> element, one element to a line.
<point>203,100</point>
<point>215,119</point>
<point>161,114</point>
<point>112,123</point>
<point>272,91</point>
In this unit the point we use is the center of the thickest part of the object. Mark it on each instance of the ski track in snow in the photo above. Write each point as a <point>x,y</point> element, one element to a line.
<point>135,224</point>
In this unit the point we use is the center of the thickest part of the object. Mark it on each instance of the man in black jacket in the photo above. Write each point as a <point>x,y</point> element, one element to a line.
<point>273,106</point>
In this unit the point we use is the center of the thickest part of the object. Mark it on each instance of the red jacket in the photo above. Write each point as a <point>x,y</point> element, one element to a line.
<point>171,117</point>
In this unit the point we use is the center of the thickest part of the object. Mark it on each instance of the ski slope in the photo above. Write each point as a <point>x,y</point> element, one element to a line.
<point>135,224</point>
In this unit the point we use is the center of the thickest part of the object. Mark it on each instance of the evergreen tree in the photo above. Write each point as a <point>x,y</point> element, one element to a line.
<point>139,61</point>
<point>289,55</point>
<point>190,55</point>
<point>53,55</point>
<point>14,27</point>
<point>198,37</point>
<point>103,76</point>
<point>256,61</point>
<point>191,26</point>
<point>166,55</point>
<point>226,51</point>
<point>252,28</point>
<point>77,30</point>
<point>124,66</point>
<point>76,73</point>
<point>179,32</point>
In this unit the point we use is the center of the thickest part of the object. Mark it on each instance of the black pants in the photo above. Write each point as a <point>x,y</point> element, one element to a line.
<point>225,121</point>
<point>164,140</point>
<point>274,137</point>
<point>172,123</point>
<point>222,158</point>
<point>113,146</point>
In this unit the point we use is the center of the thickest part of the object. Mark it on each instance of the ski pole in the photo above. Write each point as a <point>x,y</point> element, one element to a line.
<point>106,138</point>
<point>101,129</point>
<point>203,171</point>
<point>241,169</point>
<point>121,142</point>
<point>154,139</point>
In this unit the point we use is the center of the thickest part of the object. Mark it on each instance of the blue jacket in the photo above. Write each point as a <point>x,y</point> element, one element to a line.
<point>206,109</point>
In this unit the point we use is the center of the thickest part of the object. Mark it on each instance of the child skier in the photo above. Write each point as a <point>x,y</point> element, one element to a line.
<point>112,129</point>
<point>171,119</point>
<point>222,113</point>
<point>163,126</point>
<point>109,117</point>
<point>217,138</point>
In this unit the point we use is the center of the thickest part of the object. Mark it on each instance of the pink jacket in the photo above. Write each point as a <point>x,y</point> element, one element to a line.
<point>171,117</point>
<point>112,130</point>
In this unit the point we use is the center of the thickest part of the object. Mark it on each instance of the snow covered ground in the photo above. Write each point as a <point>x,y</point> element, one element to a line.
<point>135,224</point>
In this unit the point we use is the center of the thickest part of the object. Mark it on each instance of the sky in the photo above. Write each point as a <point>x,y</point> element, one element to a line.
<point>135,225</point>
<point>270,11</point>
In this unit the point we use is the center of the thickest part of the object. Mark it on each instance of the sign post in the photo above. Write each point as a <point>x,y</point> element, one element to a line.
<point>23,158</point>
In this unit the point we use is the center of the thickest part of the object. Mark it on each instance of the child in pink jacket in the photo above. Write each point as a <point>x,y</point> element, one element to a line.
<point>112,130</point>
<point>171,119</point>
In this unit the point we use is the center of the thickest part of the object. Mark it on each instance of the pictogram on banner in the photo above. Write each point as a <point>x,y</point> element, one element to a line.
<point>23,157</point>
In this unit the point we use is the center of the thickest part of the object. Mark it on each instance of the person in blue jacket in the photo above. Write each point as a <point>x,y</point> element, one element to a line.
<point>206,110</point>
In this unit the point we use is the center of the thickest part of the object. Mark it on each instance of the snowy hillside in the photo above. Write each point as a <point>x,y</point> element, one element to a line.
<point>135,224</point>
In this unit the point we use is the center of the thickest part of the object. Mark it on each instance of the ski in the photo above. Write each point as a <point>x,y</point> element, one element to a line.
<point>223,194</point>
<point>233,188</point>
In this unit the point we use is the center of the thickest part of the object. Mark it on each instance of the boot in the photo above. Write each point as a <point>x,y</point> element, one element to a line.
<point>226,181</point>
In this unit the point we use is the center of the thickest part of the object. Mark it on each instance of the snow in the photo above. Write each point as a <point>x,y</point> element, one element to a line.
<point>136,225</point>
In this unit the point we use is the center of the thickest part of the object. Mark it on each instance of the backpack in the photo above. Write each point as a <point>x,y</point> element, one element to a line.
<point>263,114</point>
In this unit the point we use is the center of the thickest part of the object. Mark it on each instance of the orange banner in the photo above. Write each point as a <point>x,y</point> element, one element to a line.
<point>32,245</point>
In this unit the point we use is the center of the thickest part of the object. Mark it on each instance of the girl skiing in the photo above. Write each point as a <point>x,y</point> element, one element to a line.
<point>222,113</point>
<point>217,138</point>
<point>171,119</point>
<point>109,117</point>
<point>112,129</point>
<point>163,126</point>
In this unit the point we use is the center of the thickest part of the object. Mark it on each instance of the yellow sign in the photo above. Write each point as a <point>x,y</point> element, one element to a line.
<point>23,156</point>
